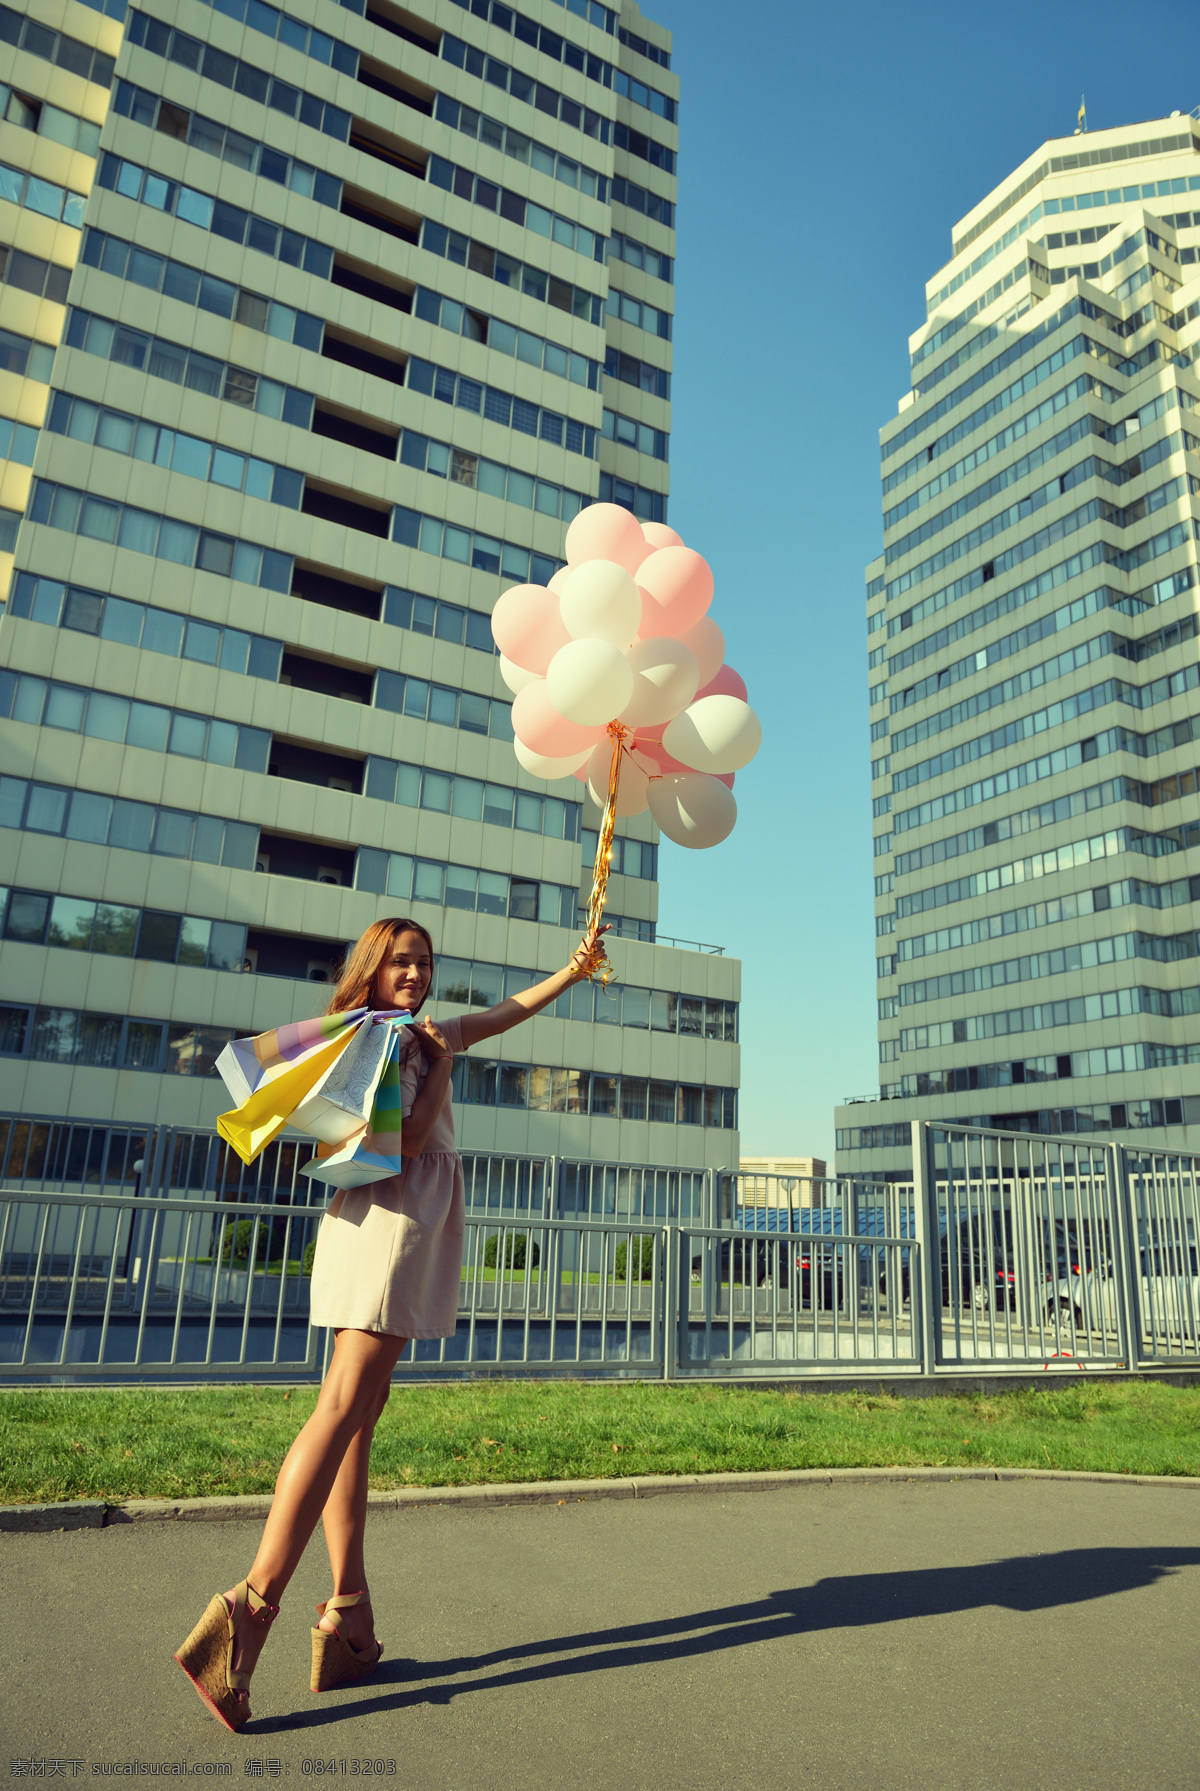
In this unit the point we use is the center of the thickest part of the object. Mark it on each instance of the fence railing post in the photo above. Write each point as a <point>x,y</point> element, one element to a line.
<point>157,1157</point>
<point>670,1303</point>
<point>1127,1251</point>
<point>921,1288</point>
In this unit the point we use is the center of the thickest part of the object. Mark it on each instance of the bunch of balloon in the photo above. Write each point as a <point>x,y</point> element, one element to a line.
<point>618,675</point>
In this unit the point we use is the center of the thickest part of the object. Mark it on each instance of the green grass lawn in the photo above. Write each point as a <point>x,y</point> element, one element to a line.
<point>145,1443</point>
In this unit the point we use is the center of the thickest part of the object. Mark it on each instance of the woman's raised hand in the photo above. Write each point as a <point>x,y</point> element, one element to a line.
<point>431,1040</point>
<point>589,955</point>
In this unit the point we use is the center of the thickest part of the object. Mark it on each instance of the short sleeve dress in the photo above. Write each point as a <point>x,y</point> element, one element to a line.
<point>389,1255</point>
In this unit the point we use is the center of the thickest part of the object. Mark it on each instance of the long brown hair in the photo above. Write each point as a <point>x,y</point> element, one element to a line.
<point>356,979</point>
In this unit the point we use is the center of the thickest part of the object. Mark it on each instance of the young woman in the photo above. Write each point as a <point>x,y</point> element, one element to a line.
<point>387,1268</point>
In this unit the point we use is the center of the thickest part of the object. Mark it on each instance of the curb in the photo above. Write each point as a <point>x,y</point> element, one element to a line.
<point>95,1514</point>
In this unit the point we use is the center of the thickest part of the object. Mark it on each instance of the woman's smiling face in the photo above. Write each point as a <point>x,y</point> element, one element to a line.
<point>402,980</point>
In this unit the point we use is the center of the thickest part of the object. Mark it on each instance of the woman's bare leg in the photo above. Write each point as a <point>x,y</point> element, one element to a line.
<point>345,1520</point>
<point>362,1364</point>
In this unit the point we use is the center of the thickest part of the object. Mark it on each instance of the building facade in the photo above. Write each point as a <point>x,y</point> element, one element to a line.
<point>1034,670</point>
<point>319,324</point>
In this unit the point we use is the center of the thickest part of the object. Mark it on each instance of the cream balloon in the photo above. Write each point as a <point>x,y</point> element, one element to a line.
<point>716,734</point>
<point>708,644</point>
<point>632,787</point>
<point>693,809</point>
<point>590,682</point>
<point>600,601</point>
<point>515,676</point>
<point>665,679</point>
<point>538,765</point>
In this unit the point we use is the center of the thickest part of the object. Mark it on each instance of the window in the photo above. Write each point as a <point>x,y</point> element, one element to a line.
<point>131,826</point>
<point>461,886</point>
<point>489,477</point>
<point>170,448</point>
<point>637,435</point>
<point>200,209</point>
<point>145,532</point>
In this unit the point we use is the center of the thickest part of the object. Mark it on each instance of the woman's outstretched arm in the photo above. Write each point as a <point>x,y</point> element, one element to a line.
<point>510,1013</point>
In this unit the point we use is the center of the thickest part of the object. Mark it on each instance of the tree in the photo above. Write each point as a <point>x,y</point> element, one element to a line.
<point>236,1246</point>
<point>643,1259</point>
<point>515,1246</point>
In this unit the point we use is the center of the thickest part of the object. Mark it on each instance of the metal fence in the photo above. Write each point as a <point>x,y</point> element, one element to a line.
<point>157,1255</point>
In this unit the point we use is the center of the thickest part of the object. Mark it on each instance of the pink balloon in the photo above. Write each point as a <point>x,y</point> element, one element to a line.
<point>659,535</point>
<point>655,620</point>
<point>539,725</point>
<point>527,626</point>
<point>680,582</point>
<point>606,532</point>
<point>708,644</point>
<point>655,750</point>
<point>726,683</point>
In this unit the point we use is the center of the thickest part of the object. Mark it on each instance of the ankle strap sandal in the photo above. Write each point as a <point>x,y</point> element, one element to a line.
<point>207,1655</point>
<point>334,1661</point>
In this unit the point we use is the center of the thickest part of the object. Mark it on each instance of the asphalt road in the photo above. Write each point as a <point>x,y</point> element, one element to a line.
<point>998,1634</point>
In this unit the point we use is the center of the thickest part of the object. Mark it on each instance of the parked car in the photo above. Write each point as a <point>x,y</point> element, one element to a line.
<point>983,1279</point>
<point>789,1261</point>
<point>1168,1291</point>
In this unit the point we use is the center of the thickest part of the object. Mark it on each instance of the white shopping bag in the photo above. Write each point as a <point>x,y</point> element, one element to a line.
<point>339,1107</point>
<point>372,1152</point>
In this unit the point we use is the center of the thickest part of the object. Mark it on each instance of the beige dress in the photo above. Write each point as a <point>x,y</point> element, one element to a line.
<point>389,1255</point>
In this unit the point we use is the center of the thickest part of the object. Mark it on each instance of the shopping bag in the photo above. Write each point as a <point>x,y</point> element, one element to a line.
<point>373,1155</point>
<point>339,1107</point>
<point>270,1075</point>
<point>245,1064</point>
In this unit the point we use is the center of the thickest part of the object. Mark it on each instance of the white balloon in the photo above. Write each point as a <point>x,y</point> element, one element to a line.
<point>716,734</point>
<point>538,765</point>
<point>693,809</point>
<point>600,601</point>
<point>665,679</point>
<point>708,644</point>
<point>515,676</point>
<point>589,682</point>
<point>634,781</point>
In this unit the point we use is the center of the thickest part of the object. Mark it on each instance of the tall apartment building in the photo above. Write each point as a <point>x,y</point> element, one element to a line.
<point>320,323</point>
<point>1032,637</point>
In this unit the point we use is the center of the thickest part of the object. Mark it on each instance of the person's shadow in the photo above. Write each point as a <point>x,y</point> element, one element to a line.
<point>1022,1583</point>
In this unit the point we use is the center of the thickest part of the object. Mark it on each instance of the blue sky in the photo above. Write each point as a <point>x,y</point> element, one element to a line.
<point>825,154</point>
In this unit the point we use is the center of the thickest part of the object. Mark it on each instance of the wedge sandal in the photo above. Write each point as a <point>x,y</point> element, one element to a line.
<point>207,1655</point>
<point>334,1661</point>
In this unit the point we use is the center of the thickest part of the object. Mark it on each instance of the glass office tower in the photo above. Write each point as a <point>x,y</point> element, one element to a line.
<point>319,325</point>
<point>1033,666</point>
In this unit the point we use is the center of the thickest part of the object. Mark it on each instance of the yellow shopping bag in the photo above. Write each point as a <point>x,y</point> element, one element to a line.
<point>251,1127</point>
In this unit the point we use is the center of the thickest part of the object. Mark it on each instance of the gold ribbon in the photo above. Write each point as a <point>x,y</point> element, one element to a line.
<point>596,959</point>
